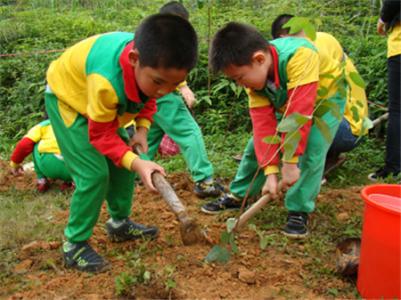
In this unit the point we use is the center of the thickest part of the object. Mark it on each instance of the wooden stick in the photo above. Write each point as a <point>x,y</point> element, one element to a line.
<point>250,212</point>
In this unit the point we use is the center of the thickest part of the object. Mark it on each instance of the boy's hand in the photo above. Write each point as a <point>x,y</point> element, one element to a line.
<point>17,171</point>
<point>188,96</point>
<point>271,186</point>
<point>290,174</point>
<point>141,138</point>
<point>145,169</point>
<point>381,28</point>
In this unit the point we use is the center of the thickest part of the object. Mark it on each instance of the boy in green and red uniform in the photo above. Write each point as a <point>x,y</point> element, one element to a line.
<point>94,89</point>
<point>47,160</point>
<point>174,119</point>
<point>351,128</point>
<point>281,77</point>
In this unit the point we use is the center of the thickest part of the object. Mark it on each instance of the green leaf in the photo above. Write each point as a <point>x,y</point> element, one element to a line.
<point>218,254</point>
<point>225,237</point>
<point>357,79</point>
<point>334,109</point>
<point>292,122</point>
<point>310,30</point>
<point>230,223</point>
<point>234,247</point>
<point>290,144</point>
<point>322,91</point>
<point>263,242</point>
<point>296,24</point>
<point>366,125</point>
<point>321,110</point>
<point>272,139</point>
<point>360,103</point>
<point>355,114</point>
<point>329,76</point>
<point>324,129</point>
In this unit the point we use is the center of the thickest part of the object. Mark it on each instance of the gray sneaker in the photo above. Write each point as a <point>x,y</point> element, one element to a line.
<point>126,230</point>
<point>82,257</point>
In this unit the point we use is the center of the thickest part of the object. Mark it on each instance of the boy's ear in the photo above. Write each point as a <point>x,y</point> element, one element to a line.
<point>259,57</point>
<point>133,57</point>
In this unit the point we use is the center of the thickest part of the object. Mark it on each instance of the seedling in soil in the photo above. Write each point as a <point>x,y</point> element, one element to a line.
<point>222,253</point>
<point>264,239</point>
<point>126,281</point>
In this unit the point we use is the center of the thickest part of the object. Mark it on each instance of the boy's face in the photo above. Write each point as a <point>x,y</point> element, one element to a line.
<point>253,75</point>
<point>156,82</point>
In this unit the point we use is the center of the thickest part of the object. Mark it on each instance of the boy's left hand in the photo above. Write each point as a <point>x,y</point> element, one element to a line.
<point>290,173</point>
<point>140,138</point>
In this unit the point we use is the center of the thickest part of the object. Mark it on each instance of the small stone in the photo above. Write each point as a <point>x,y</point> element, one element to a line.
<point>246,275</point>
<point>341,217</point>
<point>23,266</point>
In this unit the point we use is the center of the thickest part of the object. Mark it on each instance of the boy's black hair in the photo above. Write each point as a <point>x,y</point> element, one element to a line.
<point>234,44</point>
<point>175,8</point>
<point>166,41</point>
<point>277,26</point>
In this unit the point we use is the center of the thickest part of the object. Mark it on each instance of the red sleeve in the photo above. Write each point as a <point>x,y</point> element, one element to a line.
<point>103,136</point>
<point>302,100</point>
<point>23,149</point>
<point>148,110</point>
<point>264,124</point>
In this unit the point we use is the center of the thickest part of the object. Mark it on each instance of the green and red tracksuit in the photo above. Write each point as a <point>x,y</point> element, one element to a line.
<point>174,119</point>
<point>92,93</point>
<point>47,161</point>
<point>299,70</point>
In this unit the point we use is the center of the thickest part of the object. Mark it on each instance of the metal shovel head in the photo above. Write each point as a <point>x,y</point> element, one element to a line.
<point>191,233</point>
<point>347,256</point>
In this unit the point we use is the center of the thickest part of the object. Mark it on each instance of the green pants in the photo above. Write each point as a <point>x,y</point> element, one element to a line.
<point>96,177</point>
<point>48,165</point>
<point>301,196</point>
<point>174,119</point>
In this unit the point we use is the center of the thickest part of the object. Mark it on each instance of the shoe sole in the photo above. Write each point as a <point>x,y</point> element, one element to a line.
<point>295,236</point>
<point>116,239</point>
<point>95,270</point>
<point>209,212</point>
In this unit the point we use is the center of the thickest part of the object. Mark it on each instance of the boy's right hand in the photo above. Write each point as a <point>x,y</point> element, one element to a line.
<point>290,174</point>
<point>145,170</point>
<point>17,171</point>
<point>271,186</point>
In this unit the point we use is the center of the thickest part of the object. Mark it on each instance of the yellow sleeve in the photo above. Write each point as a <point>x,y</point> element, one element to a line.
<point>35,133</point>
<point>303,68</point>
<point>271,170</point>
<point>143,122</point>
<point>102,99</point>
<point>184,83</point>
<point>127,159</point>
<point>256,100</point>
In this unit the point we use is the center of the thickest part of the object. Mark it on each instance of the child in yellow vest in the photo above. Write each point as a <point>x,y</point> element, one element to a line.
<point>47,160</point>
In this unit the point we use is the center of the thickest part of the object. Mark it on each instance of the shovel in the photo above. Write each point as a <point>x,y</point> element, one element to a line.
<point>253,210</point>
<point>189,229</point>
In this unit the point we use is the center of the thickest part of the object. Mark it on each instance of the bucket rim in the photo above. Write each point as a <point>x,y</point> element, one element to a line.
<point>374,189</point>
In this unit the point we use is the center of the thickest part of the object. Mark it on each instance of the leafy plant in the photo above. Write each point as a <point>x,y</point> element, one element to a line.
<point>222,253</point>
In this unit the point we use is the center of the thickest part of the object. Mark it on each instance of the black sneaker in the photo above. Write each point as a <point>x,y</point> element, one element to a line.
<point>204,189</point>
<point>82,257</point>
<point>225,202</point>
<point>296,225</point>
<point>128,230</point>
<point>381,174</point>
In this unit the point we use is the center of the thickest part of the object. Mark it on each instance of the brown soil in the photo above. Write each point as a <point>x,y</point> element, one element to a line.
<point>252,274</point>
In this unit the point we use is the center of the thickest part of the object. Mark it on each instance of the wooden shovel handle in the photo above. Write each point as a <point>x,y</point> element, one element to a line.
<point>165,189</point>
<point>255,208</point>
<point>250,212</point>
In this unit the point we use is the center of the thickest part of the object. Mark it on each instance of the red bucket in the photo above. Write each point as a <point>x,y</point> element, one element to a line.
<point>379,273</point>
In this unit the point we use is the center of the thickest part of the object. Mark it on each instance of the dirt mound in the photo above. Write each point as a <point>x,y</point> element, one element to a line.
<point>165,268</point>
